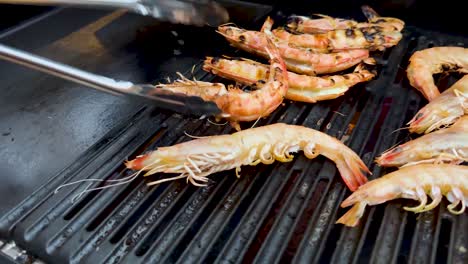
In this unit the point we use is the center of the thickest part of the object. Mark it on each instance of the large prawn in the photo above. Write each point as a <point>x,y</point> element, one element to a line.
<point>326,23</point>
<point>236,104</point>
<point>297,59</point>
<point>445,145</point>
<point>443,110</point>
<point>372,38</point>
<point>425,63</point>
<point>303,88</point>
<point>412,182</point>
<point>196,159</point>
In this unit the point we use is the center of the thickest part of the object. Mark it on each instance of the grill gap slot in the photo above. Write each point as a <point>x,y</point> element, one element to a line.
<point>304,220</point>
<point>178,250</point>
<point>374,136</point>
<point>404,252</point>
<point>401,73</point>
<point>372,232</point>
<point>137,214</point>
<point>443,241</point>
<point>143,248</point>
<point>333,237</point>
<point>272,216</point>
<point>160,243</point>
<point>242,208</point>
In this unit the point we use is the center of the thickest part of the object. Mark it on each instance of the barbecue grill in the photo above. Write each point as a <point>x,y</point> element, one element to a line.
<point>54,132</point>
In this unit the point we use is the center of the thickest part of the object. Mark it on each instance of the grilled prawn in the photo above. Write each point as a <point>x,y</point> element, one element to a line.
<point>300,60</point>
<point>236,104</point>
<point>326,23</point>
<point>425,63</point>
<point>443,110</point>
<point>301,87</point>
<point>371,38</point>
<point>412,182</point>
<point>199,158</point>
<point>445,145</point>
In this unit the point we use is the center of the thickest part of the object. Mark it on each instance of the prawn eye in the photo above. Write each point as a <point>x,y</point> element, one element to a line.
<point>241,38</point>
<point>397,149</point>
<point>418,116</point>
<point>294,20</point>
<point>215,60</point>
<point>350,33</point>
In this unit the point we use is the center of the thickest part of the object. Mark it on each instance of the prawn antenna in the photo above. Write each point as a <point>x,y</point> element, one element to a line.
<point>256,121</point>
<point>217,124</point>
<point>190,136</point>
<point>338,113</point>
<point>392,147</point>
<point>399,129</point>
<point>167,179</point>
<point>89,180</point>
<point>122,181</point>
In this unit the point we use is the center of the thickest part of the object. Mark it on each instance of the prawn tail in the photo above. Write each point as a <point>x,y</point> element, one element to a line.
<point>352,169</point>
<point>277,63</point>
<point>352,217</point>
<point>366,70</point>
<point>271,48</point>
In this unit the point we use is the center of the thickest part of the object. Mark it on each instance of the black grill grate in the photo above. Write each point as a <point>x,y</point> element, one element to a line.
<point>277,213</point>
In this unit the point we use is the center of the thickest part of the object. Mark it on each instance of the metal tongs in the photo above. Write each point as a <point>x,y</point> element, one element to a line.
<point>190,105</point>
<point>193,12</point>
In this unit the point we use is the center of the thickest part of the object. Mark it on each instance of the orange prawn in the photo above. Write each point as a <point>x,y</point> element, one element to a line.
<point>303,88</point>
<point>297,59</point>
<point>326,23</point>
<point>236,104</point>
<point>371,38</point>
<point>425,63</point>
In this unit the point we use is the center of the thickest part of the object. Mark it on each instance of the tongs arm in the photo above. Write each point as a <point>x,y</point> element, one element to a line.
<point>64,71</point>
<point>127,4</point>
<point>179,11</point>
<point>165,99</point>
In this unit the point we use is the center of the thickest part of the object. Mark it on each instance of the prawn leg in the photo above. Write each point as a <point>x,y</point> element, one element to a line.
<point>421,195</point>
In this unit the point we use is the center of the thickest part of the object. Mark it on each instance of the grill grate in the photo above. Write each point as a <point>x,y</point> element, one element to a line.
<point>277,213</point>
